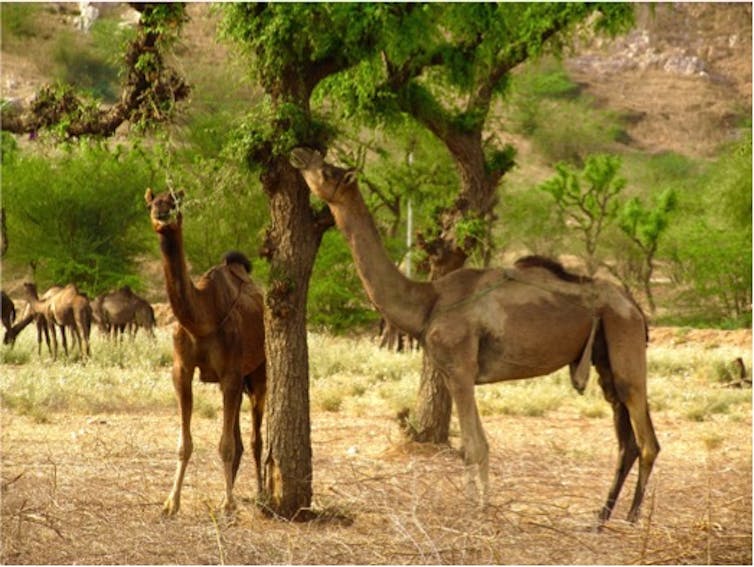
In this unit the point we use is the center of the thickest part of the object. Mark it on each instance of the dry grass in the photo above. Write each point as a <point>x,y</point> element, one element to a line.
<point>87,486</point>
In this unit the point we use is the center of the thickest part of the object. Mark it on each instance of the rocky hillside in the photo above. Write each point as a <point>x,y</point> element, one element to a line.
<point>682,77</point>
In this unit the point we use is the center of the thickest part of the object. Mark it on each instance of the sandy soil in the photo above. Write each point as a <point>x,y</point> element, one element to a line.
<point>89,489</point>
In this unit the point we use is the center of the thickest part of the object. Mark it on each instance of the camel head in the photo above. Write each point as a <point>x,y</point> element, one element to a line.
<point>164,209</point>
<point>30,290</point>
<point>328,182</point>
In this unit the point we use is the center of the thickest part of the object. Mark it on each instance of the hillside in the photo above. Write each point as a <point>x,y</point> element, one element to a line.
<point>681,78</point>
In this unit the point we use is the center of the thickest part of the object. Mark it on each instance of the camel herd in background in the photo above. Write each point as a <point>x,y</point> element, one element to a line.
<point>61,308</point>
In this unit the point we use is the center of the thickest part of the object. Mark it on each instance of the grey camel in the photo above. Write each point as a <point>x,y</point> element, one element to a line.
<point>484,326</point>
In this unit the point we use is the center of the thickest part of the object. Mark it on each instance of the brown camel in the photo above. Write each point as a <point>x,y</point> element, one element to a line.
<point>143,317</point>
<point>483,326</point>
<point>28,316</point>
<point>7,311</point>
<point>39,317</point>
<point>116,311</point>
<point>220,330</point>
<point>66,308</point>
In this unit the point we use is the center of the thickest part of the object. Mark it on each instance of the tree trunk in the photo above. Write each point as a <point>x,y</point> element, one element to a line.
<point>433,409</point>
<point>291,246</point>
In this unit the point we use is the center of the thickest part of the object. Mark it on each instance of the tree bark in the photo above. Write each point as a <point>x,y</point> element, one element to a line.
<point>291,246</point>
<point>433,409</point>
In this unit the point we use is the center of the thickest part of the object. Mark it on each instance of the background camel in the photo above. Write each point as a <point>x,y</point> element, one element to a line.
<point>66,308</point>
<point>36,311</point>
<point>143,317</point>
<point>119,310</point>
<point>483,326</point>
<point>70,308</point>
<point>220,330</point>
<point>7,311</point>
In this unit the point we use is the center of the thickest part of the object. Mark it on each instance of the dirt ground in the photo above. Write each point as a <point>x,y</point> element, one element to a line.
<point>89,489</point>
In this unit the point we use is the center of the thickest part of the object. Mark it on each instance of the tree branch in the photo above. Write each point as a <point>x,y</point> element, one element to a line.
<point>150,89</point>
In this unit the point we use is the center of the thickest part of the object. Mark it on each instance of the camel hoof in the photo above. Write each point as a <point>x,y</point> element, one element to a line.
<point>228,507</point>
<point>170,508</point>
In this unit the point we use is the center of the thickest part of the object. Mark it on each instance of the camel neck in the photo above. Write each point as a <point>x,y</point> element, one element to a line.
<point>404,302</point>
<point>181,291</point>
<point>36,304</point>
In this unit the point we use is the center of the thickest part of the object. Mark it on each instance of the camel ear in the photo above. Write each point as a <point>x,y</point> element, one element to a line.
<point>149,196</point>
<point>350,176</point>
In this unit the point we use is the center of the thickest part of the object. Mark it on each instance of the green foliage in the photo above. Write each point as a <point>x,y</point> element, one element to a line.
<point>711,245</point>
<point>18,22</point>
<point>544,104</point>
<point>644,225</point>
<point>530,222</point>
<point>165,21</point>
<point>587,199</point>
<point>77,216</point>
<point>8,147</point>
<point>77,64</point>
<point>337,301</point>
<point>293,47</point>
<point>225,209</point>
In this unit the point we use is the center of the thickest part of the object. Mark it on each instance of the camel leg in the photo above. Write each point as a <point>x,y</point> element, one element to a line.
<point>460,377</point>
<point>82,332</point>
<point>51,326</point>
<point>256,387</point>
<point>42,328</point>
<point>76,340</point>
<point>627,361</point>
<point>649,447</point>
<point>475,447</point>
<point>231,446</point>
<point>63,339</point>
<point>182,383</point>
<point>627,455</point>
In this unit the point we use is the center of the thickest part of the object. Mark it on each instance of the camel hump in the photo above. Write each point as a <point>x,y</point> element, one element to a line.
<point>554,267</point>
<point>236,257</point>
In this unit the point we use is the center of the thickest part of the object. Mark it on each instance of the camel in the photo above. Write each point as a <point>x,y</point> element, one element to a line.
<point>66,308</point>
<point>143,317</point>
<point>116,311</point>
<point>7,311</point>
<point>480,326</point>
<point>220,330</point>
<point>29,315</point>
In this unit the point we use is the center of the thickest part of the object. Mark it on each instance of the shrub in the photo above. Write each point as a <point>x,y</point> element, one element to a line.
<point>77,216</point>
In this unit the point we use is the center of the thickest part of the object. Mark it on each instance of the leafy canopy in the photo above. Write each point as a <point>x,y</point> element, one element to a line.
<point>78,217</point>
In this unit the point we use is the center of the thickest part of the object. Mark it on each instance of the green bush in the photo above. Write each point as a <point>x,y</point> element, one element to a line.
<point>544,104</point>
<point>336,299</point>
<point>77,64</point>
<point>710,242</point>
<point>77,216</point>
<point>18,21</point>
